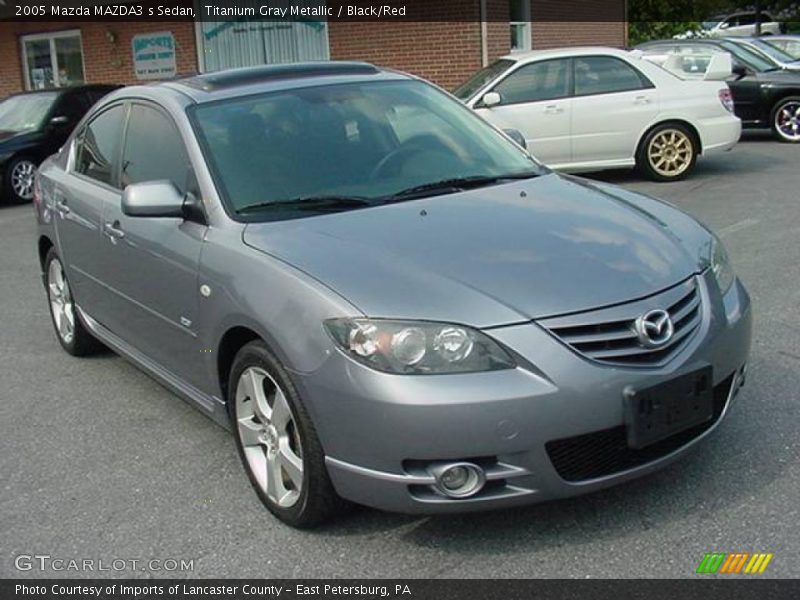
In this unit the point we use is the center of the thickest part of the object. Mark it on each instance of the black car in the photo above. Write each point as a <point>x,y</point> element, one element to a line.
<point>764,94</point>
<point>33,126</point>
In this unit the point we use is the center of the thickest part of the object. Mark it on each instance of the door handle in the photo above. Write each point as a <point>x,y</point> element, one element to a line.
<point>61,207</point>
<point>641,100</point>
<point>553,109</point>
<point>113,231</point>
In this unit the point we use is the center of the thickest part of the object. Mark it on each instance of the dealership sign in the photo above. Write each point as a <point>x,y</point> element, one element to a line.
<point>154,55</point>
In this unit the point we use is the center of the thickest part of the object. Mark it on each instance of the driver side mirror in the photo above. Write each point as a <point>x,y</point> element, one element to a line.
<point>516,135</point>
<point>59,121</point>
<point>153,199</point>
<point>491,99</point>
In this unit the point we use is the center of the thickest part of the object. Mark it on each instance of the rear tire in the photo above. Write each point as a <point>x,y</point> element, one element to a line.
<point>785,120</point>
<point>277,442</point>
<point>667,153</point>
<point>70,330</point>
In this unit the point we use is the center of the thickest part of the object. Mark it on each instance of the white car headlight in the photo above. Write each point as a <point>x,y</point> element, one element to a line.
<point>721,265</point>
<point>418,347</point>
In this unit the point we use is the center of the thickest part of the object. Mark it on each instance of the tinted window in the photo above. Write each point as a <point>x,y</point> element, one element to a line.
<point>153,149</point>
<point>605,75</point>
<point>545,80</point>
<point>98,144</point>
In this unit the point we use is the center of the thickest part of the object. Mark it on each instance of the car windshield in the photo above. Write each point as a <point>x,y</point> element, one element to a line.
<point>348,145</point>
<point>773,52</point>
<point>790,46</point>
<point>757,62</point>
<point>25,112</point>
<point>481,78</point>
<point>711,23</point>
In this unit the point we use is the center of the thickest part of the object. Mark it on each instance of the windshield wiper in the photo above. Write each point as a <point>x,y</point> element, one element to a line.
<point>310,203</point>
<point>456,184</point>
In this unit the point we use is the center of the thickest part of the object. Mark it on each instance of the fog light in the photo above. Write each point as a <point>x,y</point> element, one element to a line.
<point>458,480</point>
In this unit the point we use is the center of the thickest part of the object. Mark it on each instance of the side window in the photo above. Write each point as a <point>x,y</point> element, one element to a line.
<point>98,143</point>
<point>546,80</point>
<point>153,150</point>
<point>748,19</point>
<point>605,75</point>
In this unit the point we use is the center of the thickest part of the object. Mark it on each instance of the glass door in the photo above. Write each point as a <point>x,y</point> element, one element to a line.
<point>52,60</point>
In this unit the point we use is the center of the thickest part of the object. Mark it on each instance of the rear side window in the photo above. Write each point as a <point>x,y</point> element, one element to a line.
<point>606,75</point>
<point>153,149</point>
<point>98,145</point>
<point>546,80</point>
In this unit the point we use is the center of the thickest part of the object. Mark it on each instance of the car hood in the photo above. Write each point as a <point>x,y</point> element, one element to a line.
<point>17,138</point>
<point>495,255</point>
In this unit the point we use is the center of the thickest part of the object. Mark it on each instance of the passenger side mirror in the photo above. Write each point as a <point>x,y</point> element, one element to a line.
<point>739,70</point>
<point>491,99</point>
<point>59,121</point>
<point>516,135</point>
<point>153,199</point>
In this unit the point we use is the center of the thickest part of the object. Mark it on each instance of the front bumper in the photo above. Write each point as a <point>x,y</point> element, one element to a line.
<point>381,433</point>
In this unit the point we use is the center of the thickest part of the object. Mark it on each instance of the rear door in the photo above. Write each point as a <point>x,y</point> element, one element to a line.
<point>614,102</point>
<point>151,263</point>
<point>535,100</point>
<point>79,197</point>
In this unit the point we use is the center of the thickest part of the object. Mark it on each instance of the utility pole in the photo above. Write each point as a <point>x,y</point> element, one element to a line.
<point>758,18</point>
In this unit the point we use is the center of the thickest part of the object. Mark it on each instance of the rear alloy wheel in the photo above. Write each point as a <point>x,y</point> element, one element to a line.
<point>668,153</point>
<point>19,180</point>
<point>276,440</point>
<point>786,120</point>
<point>72,334</point>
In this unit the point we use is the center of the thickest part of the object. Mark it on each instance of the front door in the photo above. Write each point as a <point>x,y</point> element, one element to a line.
<point>79,199</point>
<point>151,263</point>
<point>535,100</point>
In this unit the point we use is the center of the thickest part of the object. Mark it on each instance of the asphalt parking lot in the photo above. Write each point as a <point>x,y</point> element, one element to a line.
<point>98,461</point>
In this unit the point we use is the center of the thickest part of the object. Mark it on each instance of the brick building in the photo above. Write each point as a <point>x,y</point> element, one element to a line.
<point>40,54</point>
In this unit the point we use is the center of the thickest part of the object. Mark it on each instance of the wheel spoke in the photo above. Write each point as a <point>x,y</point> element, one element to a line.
<point>275,488</point>
<point>281,415</point>
<point>249,432</point>
<point>291,463</point>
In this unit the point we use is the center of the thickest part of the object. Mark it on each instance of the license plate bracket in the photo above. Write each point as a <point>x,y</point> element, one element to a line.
<point>660,411</point>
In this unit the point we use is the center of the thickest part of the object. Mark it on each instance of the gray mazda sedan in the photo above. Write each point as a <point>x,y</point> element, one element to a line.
<point>386,299</point>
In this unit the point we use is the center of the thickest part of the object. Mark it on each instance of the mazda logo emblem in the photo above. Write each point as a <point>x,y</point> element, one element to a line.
<point>654,328</point>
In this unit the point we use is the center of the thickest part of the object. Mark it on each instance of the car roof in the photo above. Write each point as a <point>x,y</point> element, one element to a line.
<point>217,85</point>
<point>72,88</point>
<point>534,55</point>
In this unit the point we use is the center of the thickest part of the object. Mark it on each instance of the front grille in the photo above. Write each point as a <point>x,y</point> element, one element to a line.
<point>607,452</point>
<point>608,335</point>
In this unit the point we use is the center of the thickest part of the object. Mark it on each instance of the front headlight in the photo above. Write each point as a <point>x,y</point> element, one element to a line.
<point>418,347</point>
<point>721,265</point>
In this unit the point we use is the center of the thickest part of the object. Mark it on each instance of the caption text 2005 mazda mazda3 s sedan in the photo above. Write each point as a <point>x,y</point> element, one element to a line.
<point>383,296</point>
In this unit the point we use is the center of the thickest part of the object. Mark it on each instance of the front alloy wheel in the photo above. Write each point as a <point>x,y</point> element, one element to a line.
<point>668,153</point>
<point>786,120</point>
<point>277,441</point>
<point>19,178</point>
<point>71,333</point>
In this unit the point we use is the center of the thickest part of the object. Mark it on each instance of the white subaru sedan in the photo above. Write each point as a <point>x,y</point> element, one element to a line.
<point>587,109</point>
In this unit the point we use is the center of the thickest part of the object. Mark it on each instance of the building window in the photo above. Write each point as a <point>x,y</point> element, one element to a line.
<point>52,60</point>
<point>520,17</point>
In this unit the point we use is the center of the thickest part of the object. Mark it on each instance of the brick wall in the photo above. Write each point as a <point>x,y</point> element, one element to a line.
<point>590,23</point>
<point>104,62</point>
<point>443,52</point>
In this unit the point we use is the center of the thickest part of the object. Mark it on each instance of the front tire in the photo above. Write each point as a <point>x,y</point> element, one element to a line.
<point>277,442</point>
<point>18,180</point>
<point>667,153</point>
<point>786,120</point>
<point>70,331</point>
